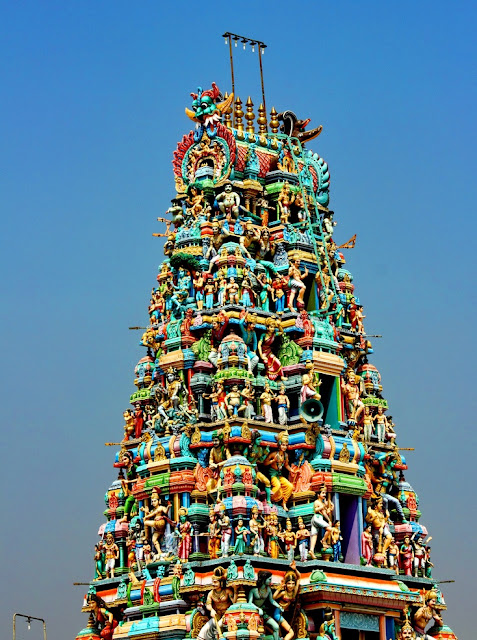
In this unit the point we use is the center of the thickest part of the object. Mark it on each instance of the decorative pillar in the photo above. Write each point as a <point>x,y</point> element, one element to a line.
<point>337,622</point>
<point>249,116</point>
<point>239,116</point>
<point>382,627</point>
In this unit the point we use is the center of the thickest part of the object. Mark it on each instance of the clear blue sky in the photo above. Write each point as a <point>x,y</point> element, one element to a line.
<point>93,97</point>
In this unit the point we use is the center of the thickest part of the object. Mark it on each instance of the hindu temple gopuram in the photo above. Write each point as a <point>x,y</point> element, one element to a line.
<point>259,489</point>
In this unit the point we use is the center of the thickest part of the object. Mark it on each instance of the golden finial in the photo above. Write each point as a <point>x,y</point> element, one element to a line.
<point>228,114</point>
<point>250,116</point>
<point>262,120</point>
<point>274,123</point>
<point>238,115</point>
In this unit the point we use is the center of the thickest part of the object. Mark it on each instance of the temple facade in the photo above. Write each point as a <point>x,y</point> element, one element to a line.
<point>260,491</point>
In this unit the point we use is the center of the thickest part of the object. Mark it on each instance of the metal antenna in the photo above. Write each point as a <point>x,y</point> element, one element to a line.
<point>261,46</point>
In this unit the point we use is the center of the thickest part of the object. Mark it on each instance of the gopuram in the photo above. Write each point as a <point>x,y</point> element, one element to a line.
<point>260,492</point>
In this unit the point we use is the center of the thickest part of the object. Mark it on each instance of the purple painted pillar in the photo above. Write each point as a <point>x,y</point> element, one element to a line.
<point>350,530</point>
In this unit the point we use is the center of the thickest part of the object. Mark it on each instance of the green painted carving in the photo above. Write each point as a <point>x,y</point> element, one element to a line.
<point>289,352</point>
<point>318,576</point>
<point>202,347</point>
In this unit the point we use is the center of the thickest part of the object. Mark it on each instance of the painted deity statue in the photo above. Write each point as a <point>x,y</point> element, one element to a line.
<point>278,462</point>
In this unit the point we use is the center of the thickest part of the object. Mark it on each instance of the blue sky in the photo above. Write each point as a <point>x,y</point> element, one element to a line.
<point>93,97</point>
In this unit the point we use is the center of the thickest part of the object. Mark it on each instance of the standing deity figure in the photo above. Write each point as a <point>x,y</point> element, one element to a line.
<point>378,517</point>
<point>278,462</point>
<point>278,293</point>
<point>248,395</point>
<point>219,599</point>
<point>335,539</point>
<point>219,327</point>
<point>352,393</point>
<point>199,283</point>
<point>289,539</point>
<point>285,200</point>
<point>425,614</point>
<point>265,251</point>
<point>420,553</point>
<point>406,556</point>
<point>241,535</point>
<point>214,534</point>
<point>266,347</point>
<point>111,554</point>
<point>323,509</point>
<point>226,533</point>
<point>367,545</point>
<point>232,291</point>
<point>184,534</point>
<point>218,455</point>
<point>296,284</point>
<point>233,402</point>
<point>272,529</point>
<point>256,527</point>
<point>229,201</point>
<point>283,405</point>
<point>381,424</point>
<point>136,541</point>
<point>156,518</point>
<point>216,408</point>
<point>174,388</point>
<point>303,539</point>
<point>393,556</point>
<point>127,462</point>
<point>98,560</point>
<point>364,415</point>
<point>266,401</point>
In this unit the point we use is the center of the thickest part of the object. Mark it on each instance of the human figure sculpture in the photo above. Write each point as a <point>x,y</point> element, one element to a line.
<point>278,293</point>
<point>296,284</point>
<point>214,534</point>
<point>127,462</point>
<point>266,401</point>
<point>241,533</point>
<point>218,456</point>
<point>364,415</point>
<point>111,554</point>
<point>229,201</point>
<point>136,541</point>
<point>286,595</point>
<point>256,455</point>
<point>219,326</point>
<point>226,533</point>
<point>232,291</point>
<point>219,599</point>
<point>262,597</point>
<point>378,517</point>
<point>323,509</point>
<point>156,518</point>
<point>289,540</point>
<point>393,556</point>
<point>367,545</point>
<point>248,395</point>
<point>233,401</point>
<point>99,554</point>
<point>184,534</point>
<point>266,345</point>
<point>303,539</point>
<point>285,200</point>
<point>420,554</point>
<point>425,614</point>
<point>272,529</point>
<point>309,384</point>
<point>104,618</point>
<point>265,251</point>
<point>278,462</point>
<point>352,393</point>
<point>219,234</point>
<point>283,403</point>
<point>381,424</point>
<point>256,528</point>
<point>247,330</point>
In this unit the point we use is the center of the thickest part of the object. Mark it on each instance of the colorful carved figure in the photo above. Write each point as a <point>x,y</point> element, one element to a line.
<point>425,614</point>
<point>156,518</point>
<point>296,284</point>
<point>266,346</point>
<point>111,555</point>
<point>277,463</point>
<point>219,599</point>
<point>322,518</point>
<point>256,527</point>
<point>262,597</point>
<point>184,534</point>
